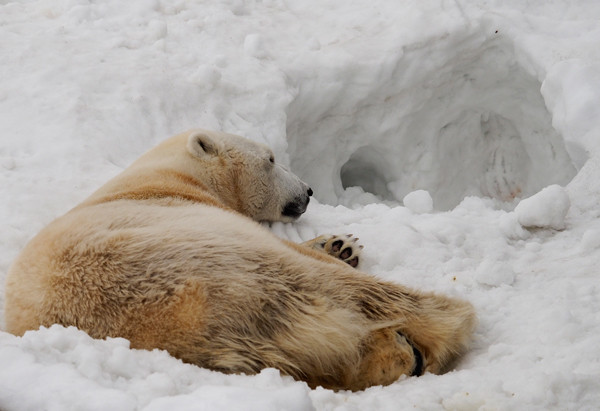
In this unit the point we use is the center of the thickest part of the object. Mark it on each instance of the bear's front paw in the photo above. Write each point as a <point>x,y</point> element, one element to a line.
<point>343,247</point>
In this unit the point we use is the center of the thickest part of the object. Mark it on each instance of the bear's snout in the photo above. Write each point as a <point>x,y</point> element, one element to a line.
<point>297,207</point>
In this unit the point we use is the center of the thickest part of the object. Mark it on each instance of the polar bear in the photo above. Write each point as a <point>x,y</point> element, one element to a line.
<point>169,254</point>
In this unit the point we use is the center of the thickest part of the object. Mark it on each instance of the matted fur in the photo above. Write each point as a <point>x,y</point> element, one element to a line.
<point>168,256</point>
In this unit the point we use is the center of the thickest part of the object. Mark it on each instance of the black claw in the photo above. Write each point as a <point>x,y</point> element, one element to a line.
<point>419,363</point>
<point>418,370</point>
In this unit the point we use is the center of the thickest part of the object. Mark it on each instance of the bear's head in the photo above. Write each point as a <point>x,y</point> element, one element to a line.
<point>244,175</point>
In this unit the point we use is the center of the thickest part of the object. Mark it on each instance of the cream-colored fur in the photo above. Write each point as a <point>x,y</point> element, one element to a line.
<point>168,256</point>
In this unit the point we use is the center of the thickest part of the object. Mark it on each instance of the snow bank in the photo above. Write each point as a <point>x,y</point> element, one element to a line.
<point>457,114</point>
<point>480,104</point>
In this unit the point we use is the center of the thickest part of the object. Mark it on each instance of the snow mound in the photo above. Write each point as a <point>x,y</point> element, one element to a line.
<point>546,209</point>
<point>457,116</point>
<point>418,201</point>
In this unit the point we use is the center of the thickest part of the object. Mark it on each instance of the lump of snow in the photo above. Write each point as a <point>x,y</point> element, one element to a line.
<point>355,197</point>
<point>418,202</point>
<point>546,209</point>
<point>509,226</point>
<point>590,240</point>
<point>8,163</point>
<point>254,46</point>
<point>206,76</point>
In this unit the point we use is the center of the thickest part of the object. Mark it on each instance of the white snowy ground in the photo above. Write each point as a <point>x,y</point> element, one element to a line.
<point>466,100</point>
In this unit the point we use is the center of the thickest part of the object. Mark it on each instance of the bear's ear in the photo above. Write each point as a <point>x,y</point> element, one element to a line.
<point>201,144</point>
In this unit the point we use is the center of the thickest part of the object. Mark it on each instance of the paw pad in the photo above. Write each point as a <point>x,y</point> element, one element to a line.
<point>344,247</point>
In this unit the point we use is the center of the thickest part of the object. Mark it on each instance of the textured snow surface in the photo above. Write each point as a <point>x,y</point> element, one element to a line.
<point>430,129</point>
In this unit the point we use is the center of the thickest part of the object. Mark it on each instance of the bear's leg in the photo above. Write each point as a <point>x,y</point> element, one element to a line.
<point>438,327</point>
<point>342,247</point>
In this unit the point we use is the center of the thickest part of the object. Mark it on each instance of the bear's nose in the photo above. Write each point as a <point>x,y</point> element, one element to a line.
<point>309,192</point>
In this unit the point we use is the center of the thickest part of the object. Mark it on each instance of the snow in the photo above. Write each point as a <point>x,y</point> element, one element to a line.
<point>546,209</point>
<point>418,201</point>
<point>481,104</point>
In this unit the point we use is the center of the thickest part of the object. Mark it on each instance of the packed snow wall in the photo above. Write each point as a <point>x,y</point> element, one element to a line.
<point>458,115</point>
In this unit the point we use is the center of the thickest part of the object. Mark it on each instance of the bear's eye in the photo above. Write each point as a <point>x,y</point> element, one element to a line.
<point>272,159</point>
